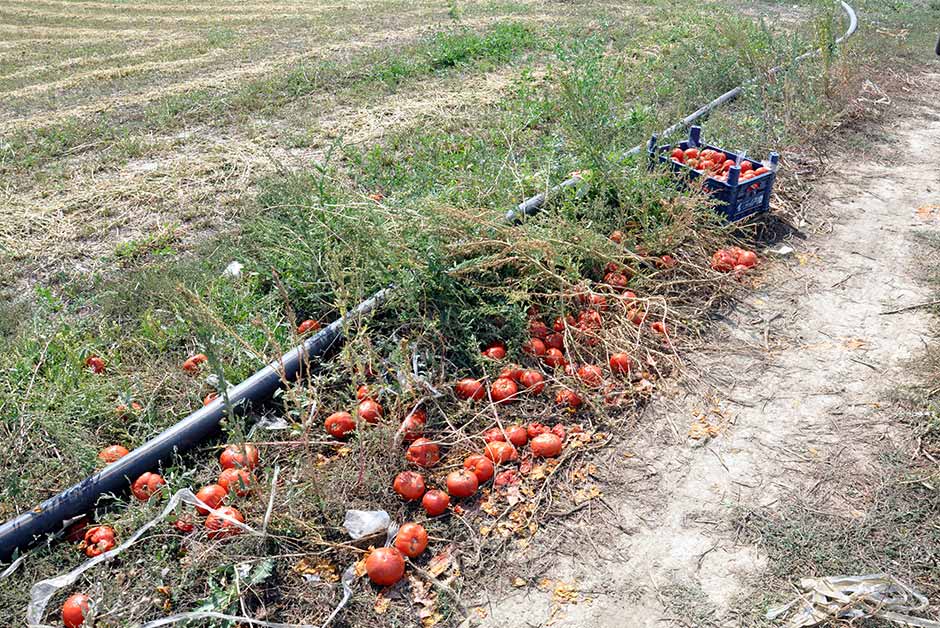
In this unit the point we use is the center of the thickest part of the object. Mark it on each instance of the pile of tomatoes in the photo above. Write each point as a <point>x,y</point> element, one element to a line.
<point>733,259</point>
<point>715,164</point>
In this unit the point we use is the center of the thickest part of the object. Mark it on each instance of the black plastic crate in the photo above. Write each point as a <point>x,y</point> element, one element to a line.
<point>737,199</point>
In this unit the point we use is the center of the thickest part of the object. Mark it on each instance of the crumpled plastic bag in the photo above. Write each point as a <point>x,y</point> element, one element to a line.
<point>361,523</point>
<point>854,597</point>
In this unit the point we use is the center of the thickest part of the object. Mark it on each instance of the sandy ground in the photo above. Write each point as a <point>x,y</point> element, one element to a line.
<point>801,370</point>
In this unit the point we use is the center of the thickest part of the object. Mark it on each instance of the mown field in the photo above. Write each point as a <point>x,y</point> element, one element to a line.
<point>334,150</point>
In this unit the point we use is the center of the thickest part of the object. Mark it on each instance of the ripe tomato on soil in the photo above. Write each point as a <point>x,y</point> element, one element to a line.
<point>496,351</point>
<point>146,485</point>
<point>235,456</point>
<point>370,411</point>
<point>532,381</point>
<point>307,325</point>
<point>462,483</point>
<point>423,453</point>
<point>74,610</point>
<point>567,397</point>
<point>500,452</point>
<point>620,363</point>
<point>98,540</point>
<point>409,485</point>
<point>411,540</point>
<point>554,358</point>
<point>412,428</point>
<point>219,528</point>
<point>503,390</point>
<point>435,502</point>
<point>546,445</point>
<point>112,453</point>
<point>238,480</point>
<point>516,434</point>
<point>95,363</point>
<point>534,347</point>
<point>468,388</point>
<point>191,365</point>
<point>385,566</point>
<point>493,434</point>
<point>212,496</point>
<point>480,466</point>
<point>339,424</point>
<point>591,375</point>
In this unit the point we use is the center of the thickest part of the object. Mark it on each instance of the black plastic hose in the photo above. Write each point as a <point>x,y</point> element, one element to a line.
<point>25,530</point>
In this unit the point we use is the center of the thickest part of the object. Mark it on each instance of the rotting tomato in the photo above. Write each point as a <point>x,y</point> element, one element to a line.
<point>232,456</point>
<point>112,453</point>
<point>722,261</point>
<point>191,365</point>
<point>462,483</point>
<point>212,496</point>
<point>146,485</point>
<point>469,388</point>
<point>590,319</point>
<point>74,610</point>
<point>546,445</point>
<point>537,329</point>
<point>636,316</point>
<point>480,466</point>
<point>618,281</point>
<point>423,453</point>
<point>184,524</point>
<point>363,393</point>
<point>666,261</point>
<point>598,301</point>
<point>591,375</point>
<point>409,485</point>
<point>412,428</point>
<point>122,411</point>
<point>370,411</point>
<point>534,347</point>
<point>532,381</point>
<point>516,434</point>
<point>98,540</point>
<point>494,434</point>
<point>238,480</point>
<point>339,424</point>
<point>210,398</point>
<point>307,325</point>
<point>554,341</point>
<point>568,397</point>
<point>220,528</point>
<point>385,566</point>
<point>435,502</point>
<point>500,452</point>
<point>660,328</point>
<point>507,477</point>
<point>616,236</point>
<point>95,363</point>
<point>510,372</point>
<point>554,358</point>
<point>559,430</point>
<point>535,429</point>
<point>562,322</point>
<point>620,363</point>
<point>503,390</point>
<point>747,258</point>
<point>496,351</point>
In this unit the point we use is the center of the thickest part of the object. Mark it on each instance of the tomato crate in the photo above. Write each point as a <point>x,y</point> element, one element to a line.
<point>737,197</point>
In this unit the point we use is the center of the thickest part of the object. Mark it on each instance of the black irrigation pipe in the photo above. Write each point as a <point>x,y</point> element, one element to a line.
<point>25,530</point>
<point>533,205</point>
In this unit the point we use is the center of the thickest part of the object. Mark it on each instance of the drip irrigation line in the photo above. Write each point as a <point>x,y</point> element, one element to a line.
<point>531,206</point>
<point>25,530</point>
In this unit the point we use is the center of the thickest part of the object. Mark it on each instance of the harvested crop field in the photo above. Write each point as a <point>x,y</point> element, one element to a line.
<point>564,420</point>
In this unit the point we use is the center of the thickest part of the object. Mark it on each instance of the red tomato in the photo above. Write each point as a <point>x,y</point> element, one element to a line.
<point>534,347</point>
<point>339,424</point>
<point>95,363</point>
<point>306,326</point>
<point>219,528</point>
<point>554,358</point>
<point>74,610</point>
<point>554,341</point>
<point>480,466</point>
<point>493,435</point>
<point>616,236</point>
<point>517,435</point>
<point>500,452</point>
<point>210,398</point>
<point>191,365</point>
<point>363,393</point>
<point>385,566</point>
<point>659,327</point>
<point>537,329</point>
<point>122,411</point>
<point>719,157</point>
<point>184,524</point>
<point>747,259</point>
<point>535,429</point>
<point>232,457</point>
<point>237,480</point>
<point>532,381</point>
<point>691,153</point>
<point>546,445</point>
<point>666,261</point>
<point>423,453</point>
<point>146,485</point>
<point>591,375</point>
<point>561,322</point>
<point>495,351</point>
<point>636,316</point>
<point>98,540</point>
<point>677,154</point>
<point>370,411</point>
<point>722,261</point>
<point>510,372</point>
<point>503,390</point>
<point>620,363</point>
<point>409,485</point>
<point>590,319</point>
<point>692,163</point>
<point>706,164</point>
<point>412,428</point>
<point>112,453</point>
<point>727,165</point>
<point>617,281</point>
<point>598,301</point>
<point>435,502</point>
<point>462,483</point>
<point>470,389</point>
<point>559,430</point>
<point>212,496</point>
<point>566,397</point>
<point>760,171</point>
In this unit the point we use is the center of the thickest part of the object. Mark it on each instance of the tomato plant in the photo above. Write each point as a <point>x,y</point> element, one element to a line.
<point>385,566</point>
<point>409,485</point>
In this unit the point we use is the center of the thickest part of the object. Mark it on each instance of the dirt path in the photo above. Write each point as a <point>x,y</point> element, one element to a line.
<point>802,366</point>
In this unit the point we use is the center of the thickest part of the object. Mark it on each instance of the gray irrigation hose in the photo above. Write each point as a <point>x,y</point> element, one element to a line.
<point>26,529</point>
<point>531,206</point>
